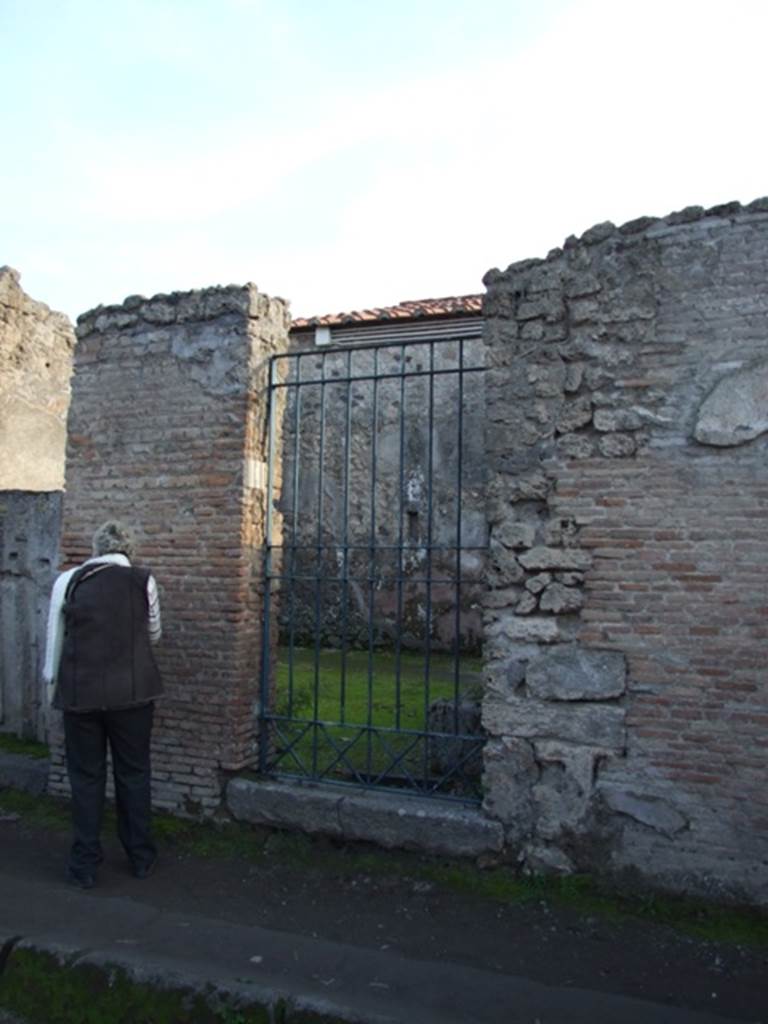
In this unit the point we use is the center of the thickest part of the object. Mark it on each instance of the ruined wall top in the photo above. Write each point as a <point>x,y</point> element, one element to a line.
<point>184,307</point>
<point>649,227</point>
<point>36,345</point>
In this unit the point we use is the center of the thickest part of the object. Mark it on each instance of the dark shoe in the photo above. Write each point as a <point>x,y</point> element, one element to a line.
<point>81,878</point>
<point>144,870</point>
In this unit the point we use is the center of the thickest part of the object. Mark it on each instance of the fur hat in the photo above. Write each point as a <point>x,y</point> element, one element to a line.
<point>114,537</point>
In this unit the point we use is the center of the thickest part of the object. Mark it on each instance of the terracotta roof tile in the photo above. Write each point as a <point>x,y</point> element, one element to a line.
<point>454,305</point>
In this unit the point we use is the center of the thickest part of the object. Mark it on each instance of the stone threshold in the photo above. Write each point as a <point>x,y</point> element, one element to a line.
<point>387,819</point>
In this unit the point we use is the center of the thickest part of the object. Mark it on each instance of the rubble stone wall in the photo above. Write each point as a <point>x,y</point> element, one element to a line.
<point>35,366</point>
<point>627,617</point>
<point>166,431</point>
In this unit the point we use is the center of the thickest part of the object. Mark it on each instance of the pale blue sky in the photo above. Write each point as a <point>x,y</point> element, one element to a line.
<point>348,154</point>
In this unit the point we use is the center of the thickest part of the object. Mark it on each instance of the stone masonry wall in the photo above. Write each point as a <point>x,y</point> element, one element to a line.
<point>627,620</point>
<point>166,430</point>
<point>35,366</point>
<point>29,552</point>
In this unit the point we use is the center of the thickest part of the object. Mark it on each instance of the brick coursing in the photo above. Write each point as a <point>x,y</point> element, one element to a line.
<point>165,426</point>
<point>614,529</point>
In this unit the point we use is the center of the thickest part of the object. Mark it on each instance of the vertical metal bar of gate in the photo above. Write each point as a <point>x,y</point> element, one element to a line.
<point>457,565</point>
<point>319,561</point>
<point>266,635</point>
<point>345,540</point>
<point>400,542</point>
<point>430,526</point>
<point>372,558</point>
<point>294,526</point>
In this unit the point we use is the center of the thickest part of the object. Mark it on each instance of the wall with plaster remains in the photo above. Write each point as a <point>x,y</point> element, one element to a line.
<point>627,615</point>
<point>166,431</point>
<point>29,554</point>
<point>388,509</point>
<point>35,365</point>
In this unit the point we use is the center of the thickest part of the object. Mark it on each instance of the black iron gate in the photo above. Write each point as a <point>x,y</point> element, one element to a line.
<point>374,564</point>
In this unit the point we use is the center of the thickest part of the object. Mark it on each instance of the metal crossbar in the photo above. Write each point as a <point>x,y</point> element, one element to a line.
<point>373,567</point>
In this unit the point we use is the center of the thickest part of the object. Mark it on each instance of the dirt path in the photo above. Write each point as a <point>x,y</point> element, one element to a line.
<point>335,893</point>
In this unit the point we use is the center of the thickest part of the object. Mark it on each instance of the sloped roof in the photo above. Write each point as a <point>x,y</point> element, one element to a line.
<point>454,305</point>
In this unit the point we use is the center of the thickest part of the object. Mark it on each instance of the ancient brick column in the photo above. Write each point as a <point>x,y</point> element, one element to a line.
<point>166,431</point>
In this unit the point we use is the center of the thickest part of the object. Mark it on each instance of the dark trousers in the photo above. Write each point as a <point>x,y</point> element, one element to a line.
<point>128,733</point>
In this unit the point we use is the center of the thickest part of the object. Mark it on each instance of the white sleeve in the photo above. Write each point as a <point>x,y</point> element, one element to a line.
<point>153,601</point>
<point>55,632</point>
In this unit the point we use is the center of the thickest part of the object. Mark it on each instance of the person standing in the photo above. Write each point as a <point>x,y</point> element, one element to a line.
<point>103,621</point>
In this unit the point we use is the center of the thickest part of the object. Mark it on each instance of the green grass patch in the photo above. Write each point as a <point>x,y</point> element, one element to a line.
<point>49,812</point>
<point>361,712</point>
<point>209,839</point>
<point>586,895</point>
<point>45,990</point>
<point>379,689</point>
<point>30,748</point>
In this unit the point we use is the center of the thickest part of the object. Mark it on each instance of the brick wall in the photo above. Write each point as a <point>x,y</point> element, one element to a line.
<point>166,432</point>
<point>627,619</point>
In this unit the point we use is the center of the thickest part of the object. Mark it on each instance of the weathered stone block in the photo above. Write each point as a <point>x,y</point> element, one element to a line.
<point>538,582</point>
<point>575,446</point>
<point>736,409</point>
<point>541,306</point>
<point>555,558</point>
<point>571,672</point>
<point>616,419</point>
<point>375,817</point>
<point>526,604</point>
<point>516,535</point>
<point>510,770</point>
<point>560,800</point>
<point>576,413</point>
<point>524,630</point>
<point>578,761</point>
<point>560,599</point>
<point>547,860</point>
<point>503,568</point>
<point>423,825</point>
<point>570,579</point>
<point>574,375</point>
<point>598,233</point>
<point>449,752</point>
<point>582,284</point>
<point>652,811</point>
<point>504,676</point>
<point>617,446</point>
<point>584,310</point>
<point>592,725</point>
